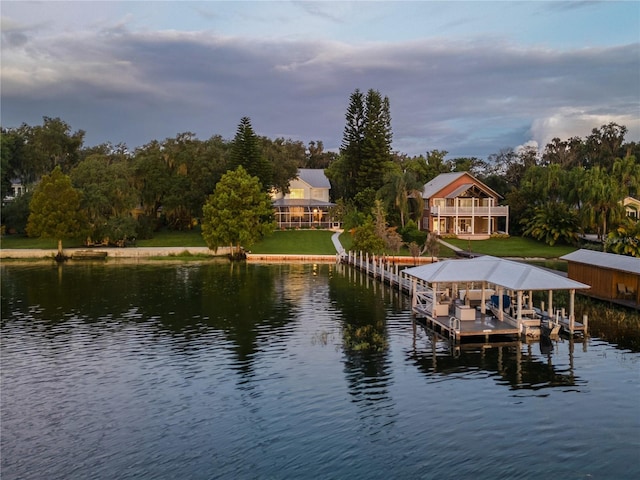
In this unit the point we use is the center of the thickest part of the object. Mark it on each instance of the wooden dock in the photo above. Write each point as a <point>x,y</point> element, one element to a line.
<point>454,317</point>
<point>388,269</point>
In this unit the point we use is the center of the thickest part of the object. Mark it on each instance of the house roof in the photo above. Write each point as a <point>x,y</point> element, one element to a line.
<point>438,183</point>
<point>315,177</point>
<point>506,273</point>
<point>612,261</point>
<point>460,190</point>
<point>432,188</point>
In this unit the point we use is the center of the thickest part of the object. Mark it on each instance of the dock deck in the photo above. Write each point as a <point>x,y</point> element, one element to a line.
<point>484,325</point>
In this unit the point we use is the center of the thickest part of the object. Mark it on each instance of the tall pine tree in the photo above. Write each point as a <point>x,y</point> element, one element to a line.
<point>376,145</point>
<point>246,152</point>
<point>365,152</point>
<point>352,140</point>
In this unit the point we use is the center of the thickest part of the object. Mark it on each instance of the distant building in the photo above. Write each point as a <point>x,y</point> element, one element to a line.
<point>459,204</point>
<point>17,189</point>
<point>307,203</point>
<point>632,207</point>
<point>612,277</point>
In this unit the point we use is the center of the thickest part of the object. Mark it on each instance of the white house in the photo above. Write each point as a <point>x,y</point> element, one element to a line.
<point>307,203</point>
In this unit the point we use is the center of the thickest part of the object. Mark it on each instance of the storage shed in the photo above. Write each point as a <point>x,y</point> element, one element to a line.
<point>612,277</point>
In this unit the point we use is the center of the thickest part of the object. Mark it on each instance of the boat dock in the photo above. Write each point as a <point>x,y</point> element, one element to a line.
<point>481,299</point>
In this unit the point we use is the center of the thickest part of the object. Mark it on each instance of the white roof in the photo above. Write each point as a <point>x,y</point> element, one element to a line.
<point>505,273</point>
<point>315,177</point>
<point>623,263</point>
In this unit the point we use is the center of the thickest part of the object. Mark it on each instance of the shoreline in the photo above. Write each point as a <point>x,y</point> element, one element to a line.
<point>166,253</point>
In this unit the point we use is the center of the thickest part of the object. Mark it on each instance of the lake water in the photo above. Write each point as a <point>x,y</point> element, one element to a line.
<point>219,371</point>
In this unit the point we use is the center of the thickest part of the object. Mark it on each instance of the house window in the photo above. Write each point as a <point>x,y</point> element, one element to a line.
<point>296,193</point>
<point>296,212</point>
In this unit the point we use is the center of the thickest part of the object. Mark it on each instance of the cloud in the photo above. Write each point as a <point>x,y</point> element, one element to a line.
<point>471,97</point>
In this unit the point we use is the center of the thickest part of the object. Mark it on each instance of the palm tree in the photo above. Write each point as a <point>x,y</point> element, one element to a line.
<point>602,195</point>
<point>400,190</point>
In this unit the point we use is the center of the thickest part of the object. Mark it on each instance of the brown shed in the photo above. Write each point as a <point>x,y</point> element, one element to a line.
<point>612,277</point>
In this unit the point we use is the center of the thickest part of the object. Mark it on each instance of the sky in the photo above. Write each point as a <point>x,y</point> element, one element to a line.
<point>468,77</point>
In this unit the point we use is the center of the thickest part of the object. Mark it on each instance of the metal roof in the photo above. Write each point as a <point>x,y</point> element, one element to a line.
<point>605,260</point>
<point>438,183</point>
<point>444,179</point>
<point>505,273</point>
<point>315,177</point>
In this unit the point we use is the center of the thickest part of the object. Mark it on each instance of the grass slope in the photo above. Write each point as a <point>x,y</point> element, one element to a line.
<point>302,242</point>
<point>512,247</point>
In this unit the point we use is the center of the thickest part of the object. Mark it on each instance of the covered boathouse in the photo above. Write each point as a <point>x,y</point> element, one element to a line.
<point>612,277</point>
<point>492,298</point>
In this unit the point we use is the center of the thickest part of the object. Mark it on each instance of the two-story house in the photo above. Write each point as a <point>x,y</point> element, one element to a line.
<point>458,203</point>
<point>307,203</point>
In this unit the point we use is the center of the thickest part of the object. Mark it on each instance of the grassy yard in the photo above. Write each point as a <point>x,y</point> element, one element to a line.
<point>169,238</point>
<point>512,247</point>
<point>314,242</point>
<point>302,242</point>
<point>22,241</point>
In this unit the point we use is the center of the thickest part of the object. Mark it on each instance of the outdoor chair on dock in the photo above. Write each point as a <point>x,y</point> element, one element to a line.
<point>624,291</point>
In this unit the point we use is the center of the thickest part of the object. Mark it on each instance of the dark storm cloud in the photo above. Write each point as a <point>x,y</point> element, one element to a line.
<point>469,98</point>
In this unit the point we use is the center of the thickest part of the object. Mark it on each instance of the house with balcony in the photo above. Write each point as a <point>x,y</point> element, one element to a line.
<point>307,204</point>
<point>459,204</point>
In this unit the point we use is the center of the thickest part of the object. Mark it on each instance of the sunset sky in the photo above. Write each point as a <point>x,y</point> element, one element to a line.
<point>469,77</point>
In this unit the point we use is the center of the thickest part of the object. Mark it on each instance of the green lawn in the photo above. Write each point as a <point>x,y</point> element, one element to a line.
<point>512,247</point>
<point>314,242</point>
<point>169,238</point>
<point>22,241</point>
<point>303,242</point>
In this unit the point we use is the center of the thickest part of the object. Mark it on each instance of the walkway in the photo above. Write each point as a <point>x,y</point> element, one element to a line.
<point>335,238</point>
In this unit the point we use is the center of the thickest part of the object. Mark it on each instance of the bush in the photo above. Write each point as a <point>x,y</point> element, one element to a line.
<point>410,233</point>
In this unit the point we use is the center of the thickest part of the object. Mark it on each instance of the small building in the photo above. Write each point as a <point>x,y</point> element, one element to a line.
<point>612,277</point>
<point>459,204</point>
<point>631,207</point>
<point>307,204</point>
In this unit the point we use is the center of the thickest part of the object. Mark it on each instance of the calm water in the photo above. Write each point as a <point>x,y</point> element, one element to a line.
<point>288,371</point>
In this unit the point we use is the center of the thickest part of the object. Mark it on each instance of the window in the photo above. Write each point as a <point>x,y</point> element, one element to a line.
<point>296,193</point>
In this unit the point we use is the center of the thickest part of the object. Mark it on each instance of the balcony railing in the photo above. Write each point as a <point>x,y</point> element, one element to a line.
<point>497,211</point>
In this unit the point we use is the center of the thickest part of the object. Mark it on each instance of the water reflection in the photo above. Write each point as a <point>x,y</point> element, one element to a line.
<point>248,303</point>
<point>256,371</point>
<point>515,364</point>
<point>365,346</point>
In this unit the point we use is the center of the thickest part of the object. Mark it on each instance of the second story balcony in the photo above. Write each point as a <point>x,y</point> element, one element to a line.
<point>495,211</point>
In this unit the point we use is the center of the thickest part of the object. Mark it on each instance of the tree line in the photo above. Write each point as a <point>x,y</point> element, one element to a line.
<point>165,182</point>
<point>571,187</point>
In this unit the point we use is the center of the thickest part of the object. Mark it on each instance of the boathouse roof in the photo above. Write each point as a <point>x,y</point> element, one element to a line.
<point>612,261</point>
<point>506,273</point>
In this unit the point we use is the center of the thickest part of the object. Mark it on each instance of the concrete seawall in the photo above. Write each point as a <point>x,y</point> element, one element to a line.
<point>129,252</point>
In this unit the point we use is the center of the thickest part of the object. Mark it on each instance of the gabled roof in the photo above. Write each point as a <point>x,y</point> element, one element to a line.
<point>438,183</point>
<point>506,273</point>
<point>435,186</point>
<point>622,263</point>
<point>314,177</point>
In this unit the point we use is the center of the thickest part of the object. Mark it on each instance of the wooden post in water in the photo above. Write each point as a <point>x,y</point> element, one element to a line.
<point>572,317</point>
<point>414,288</point>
